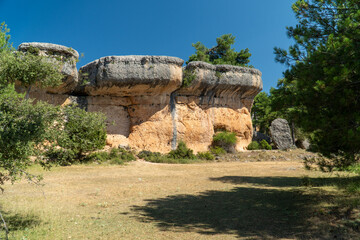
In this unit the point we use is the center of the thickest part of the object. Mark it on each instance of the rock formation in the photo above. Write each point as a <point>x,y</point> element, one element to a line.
<point>281,134</point>
<point>150,108</point>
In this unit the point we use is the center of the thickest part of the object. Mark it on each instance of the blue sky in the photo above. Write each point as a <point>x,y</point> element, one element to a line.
<point>157,27</point>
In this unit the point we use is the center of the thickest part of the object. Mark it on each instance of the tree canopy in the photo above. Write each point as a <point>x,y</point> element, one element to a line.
<point>322,81</point>
<point>222,53</point>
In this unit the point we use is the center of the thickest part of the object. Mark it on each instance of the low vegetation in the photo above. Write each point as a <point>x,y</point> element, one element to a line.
<point>263,144</point>
<point>114,156</point>
<point>157,201</point>
<point>225,140</point>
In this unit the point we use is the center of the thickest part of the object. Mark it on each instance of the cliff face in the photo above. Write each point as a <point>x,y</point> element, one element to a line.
<point>148,108</point>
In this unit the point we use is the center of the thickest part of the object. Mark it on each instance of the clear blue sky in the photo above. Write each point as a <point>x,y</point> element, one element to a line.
<point>154,27</point>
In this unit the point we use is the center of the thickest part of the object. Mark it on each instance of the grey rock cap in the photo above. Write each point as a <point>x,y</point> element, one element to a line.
<point>65,57</point>
<point>47,47</point>
<point>222,80</point>
<point>131,75</point>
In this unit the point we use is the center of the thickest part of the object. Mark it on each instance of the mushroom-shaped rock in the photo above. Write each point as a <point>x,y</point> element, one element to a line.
<point>209,80</point>
<point>216,98</point>
<point>131,76</point>
<point>64,56</point>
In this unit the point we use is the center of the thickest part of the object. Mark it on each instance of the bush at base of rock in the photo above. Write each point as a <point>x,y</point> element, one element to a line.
<point>265,145</point>
<point>205,156</point>
<point>217,150</point>
<point>182,154</point>
<point>225,140</point>
<point>254,146</point>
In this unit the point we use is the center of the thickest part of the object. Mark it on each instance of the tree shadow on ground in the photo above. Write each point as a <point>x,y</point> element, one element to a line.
<point>251,212</point>
<point>289,181</point>
<point>20,221</point>
<point>247,212</point>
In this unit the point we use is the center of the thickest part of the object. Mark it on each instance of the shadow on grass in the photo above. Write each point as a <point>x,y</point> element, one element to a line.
<point>252,212</point>
<point>246,212</point>
<point>20,221</point>
<point>341,182</point>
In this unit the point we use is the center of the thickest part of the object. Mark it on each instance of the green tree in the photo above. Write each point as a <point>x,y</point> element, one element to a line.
<point>262,112</point>
<point>324,73</point>
<point>82,133</point>
<point>27,69</point>
<point>222,53</point>
<point>24,127</point>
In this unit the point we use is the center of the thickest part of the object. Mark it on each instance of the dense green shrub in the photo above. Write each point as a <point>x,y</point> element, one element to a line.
<point>24,127</point>
<point>254,145</point>
<point>82,132</point>
<point>265,145</point>
<point>205,156</point>
<point>188,77</point>
<point>182,152</point>
<point>59,156</point>
<point>225,140</point>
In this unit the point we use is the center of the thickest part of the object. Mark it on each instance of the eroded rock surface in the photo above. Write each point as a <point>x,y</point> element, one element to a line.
<point>131,75</point>
<point>64,56</point>
<point>148,108</point>
<point>281,134</point>
<point>218,98</point>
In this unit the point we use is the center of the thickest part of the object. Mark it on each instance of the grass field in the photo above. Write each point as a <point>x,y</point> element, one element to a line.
<point>251,196</point>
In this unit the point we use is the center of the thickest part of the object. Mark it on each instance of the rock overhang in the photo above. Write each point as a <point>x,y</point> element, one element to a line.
<point>131,75</point>
<point>222,80</point>
<point>147,105</point>
<point>50,47</point>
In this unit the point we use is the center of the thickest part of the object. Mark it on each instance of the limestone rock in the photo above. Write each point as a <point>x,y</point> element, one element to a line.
<point>131,75</point>
<point>65,56</point>
<point>281,134</point>
<point>147,109</point>
<point>224,94</point>
<point>222,81</point>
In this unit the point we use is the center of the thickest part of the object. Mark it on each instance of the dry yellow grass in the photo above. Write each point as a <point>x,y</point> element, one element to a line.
<point>216,200</point>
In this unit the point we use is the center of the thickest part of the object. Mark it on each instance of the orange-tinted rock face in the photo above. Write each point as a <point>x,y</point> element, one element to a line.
<point>147,108</point>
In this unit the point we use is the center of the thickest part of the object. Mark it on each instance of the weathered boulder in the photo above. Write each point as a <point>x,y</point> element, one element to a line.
<point>131,76</point>
<point>64,56</point>
<point>281,134</point>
